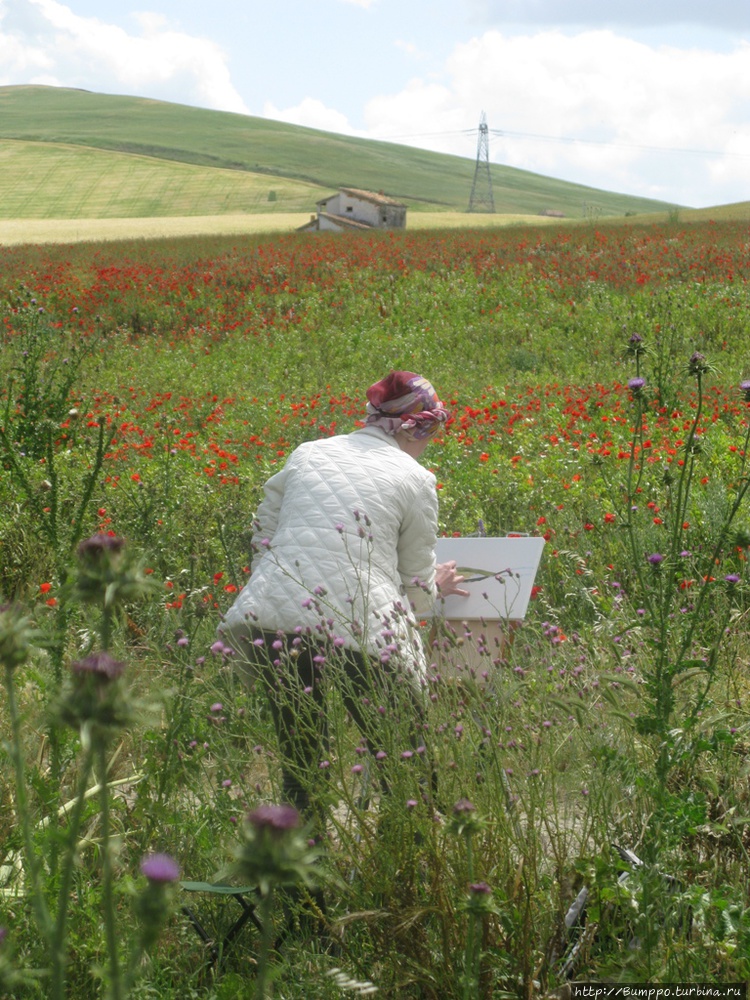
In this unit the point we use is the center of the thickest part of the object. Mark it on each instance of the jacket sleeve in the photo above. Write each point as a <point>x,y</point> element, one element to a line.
<point>416,545</point>
<point>266,517</point>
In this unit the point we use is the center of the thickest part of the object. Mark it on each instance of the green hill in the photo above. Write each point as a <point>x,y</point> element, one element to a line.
<point>74,154</point>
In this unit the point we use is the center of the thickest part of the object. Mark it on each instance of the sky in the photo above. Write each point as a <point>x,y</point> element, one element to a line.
<point>642,97</point>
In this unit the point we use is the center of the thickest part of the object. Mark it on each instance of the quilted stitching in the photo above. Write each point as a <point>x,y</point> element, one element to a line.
<point>315,539</point>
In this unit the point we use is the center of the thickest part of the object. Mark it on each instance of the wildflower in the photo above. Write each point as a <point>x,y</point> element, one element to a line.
<point>106,576</point>
<point>160,868</point>
<point>276,819</point>
<point>732,578</point>
<point>745,389</point>
<point>463,808</point>
<point>697,364</point>
<point>99,546</point>
<point>635,346</point>
<point>274,850</point>
<point>464,820</point>
<point>656,559</point>
<point>16,637</point>
<point>100,665</point>
<point>153,903</point>
<point>480,889</point>
<point>636,385</point>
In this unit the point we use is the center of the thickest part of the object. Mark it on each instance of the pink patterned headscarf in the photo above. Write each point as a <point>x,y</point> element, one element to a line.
<point>404,401</point>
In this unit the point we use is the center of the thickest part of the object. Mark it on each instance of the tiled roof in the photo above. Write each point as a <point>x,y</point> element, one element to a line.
<point>345,221</point>
<point>376,197</point>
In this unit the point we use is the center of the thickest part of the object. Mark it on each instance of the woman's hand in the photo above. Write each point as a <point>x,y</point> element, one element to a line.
<point>447,580</point>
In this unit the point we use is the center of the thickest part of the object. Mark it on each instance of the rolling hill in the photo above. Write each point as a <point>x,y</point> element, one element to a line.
<point>69,154</point>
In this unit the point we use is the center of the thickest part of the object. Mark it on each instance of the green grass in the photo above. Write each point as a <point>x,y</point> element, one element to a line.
<point>58,181</point>
<point>269,151</point>
<point>216,357</point>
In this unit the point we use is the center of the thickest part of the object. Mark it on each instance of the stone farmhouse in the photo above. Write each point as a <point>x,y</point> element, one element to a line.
<point>355,209</point>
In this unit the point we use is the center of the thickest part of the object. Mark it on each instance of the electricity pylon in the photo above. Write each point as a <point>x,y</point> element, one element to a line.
<point>481,199</point>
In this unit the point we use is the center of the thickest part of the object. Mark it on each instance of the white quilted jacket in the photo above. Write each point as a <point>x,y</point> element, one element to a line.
<point>344,531</point>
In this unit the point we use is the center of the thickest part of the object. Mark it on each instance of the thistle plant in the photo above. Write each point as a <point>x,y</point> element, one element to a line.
<point>40,419</point>
<point>274,853</point>
<point>684,588</point>
<point>478,904</point>
<point>95,701</point>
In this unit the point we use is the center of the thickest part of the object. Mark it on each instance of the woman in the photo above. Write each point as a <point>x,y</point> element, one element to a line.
<point>344,561</point>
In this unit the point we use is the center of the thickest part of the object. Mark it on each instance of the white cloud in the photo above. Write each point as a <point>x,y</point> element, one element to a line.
<point>312,113</point>
<point>616,93</point>
<point>408,47</point>
<point>45,36</point>
<point>728,14</point>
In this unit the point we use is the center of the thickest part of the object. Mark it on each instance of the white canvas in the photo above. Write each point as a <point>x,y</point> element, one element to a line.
<point>510,565</point>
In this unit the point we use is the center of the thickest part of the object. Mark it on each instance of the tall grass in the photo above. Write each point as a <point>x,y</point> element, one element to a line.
<point>617,715</point>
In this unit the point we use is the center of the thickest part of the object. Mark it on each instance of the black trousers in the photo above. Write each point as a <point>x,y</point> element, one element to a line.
<point>297,673</point>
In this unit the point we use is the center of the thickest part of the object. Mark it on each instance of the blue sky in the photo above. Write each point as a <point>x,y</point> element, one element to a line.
<point>648,98</point>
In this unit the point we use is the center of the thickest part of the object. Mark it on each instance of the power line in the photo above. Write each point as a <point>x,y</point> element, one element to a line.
<point>571,140</point>
<point>617,145</point>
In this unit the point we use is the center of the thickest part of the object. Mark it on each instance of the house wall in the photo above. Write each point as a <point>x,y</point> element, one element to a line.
<point>330,205</point>
<point>328,224</point>
<point>378,216</point>
<point>360,211</point>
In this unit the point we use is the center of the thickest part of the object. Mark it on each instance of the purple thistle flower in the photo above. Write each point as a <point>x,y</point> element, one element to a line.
<point>656,558</point>
<point>732,578</point>
<point>636,385</point>
<point>275,819</point>
<point>160,868</point>
<point>745,389</point>
<point>463,808</point>
<point>99,545</point>
<point>480,889</point>
<point>99,664</point>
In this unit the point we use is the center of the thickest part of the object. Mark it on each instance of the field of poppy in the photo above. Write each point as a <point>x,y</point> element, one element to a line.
<point>599,385</point>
